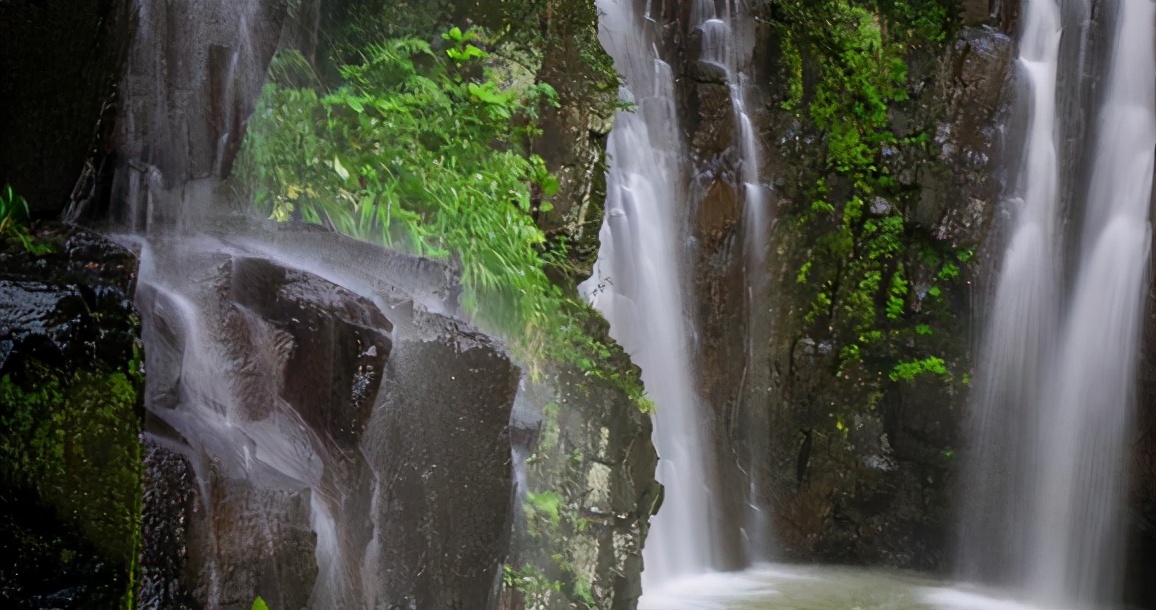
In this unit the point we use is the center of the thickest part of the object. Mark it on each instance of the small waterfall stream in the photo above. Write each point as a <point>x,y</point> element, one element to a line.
<point>725,41</point>
<point>637,285</point>
<point>721,44</point>
<point>1056,390</point>
<point>639,281</point>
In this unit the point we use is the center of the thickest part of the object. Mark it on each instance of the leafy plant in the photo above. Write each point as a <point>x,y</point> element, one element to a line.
<point>14,216</point>
<point>259,604</point>
<point>429,158</point>
<point>13,210</point>
<point>429,151</point>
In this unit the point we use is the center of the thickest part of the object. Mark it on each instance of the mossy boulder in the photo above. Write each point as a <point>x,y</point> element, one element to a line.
<point>70,416</point>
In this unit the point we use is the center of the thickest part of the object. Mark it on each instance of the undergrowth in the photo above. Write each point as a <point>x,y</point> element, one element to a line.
<point>428,150</point>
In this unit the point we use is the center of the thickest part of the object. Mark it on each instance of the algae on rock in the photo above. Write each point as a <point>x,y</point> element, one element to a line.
<point>70,417</point>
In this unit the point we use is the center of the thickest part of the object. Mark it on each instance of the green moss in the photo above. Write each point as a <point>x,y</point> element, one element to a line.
<point>876,280</point>
<point>845,66</point>
<point>73,441</point>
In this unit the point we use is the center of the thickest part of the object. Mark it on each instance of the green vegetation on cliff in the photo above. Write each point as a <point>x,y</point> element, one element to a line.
<point>70,440</point>
<point>429,148</point>
<point>846,62</point>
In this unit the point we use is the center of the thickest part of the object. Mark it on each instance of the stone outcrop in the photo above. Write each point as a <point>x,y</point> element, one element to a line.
<point>586,489</point>
<point>341,458</point>
<point>190,82</point>
<point>70,377</point>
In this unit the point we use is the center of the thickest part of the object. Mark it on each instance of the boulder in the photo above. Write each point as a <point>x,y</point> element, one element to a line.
<point>339,457</point>
<point>70,376</point>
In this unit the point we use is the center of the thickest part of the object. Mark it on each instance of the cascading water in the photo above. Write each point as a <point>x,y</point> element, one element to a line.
<point>720,46</point>
<point>637,286</point>
<point>282,492</point>
<point>1088,405</point>
<point>1021,327</point>
<point>1052,519</point>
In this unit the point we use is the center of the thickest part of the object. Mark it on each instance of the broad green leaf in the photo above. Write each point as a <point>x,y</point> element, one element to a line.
<point>340,169</point>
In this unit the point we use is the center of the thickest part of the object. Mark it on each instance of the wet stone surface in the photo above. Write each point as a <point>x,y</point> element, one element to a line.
<point>69,417</point>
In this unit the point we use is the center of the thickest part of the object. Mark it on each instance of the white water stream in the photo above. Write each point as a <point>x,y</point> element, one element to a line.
<point>1088,403</point>
<point>722,46</point>
<point>637,285</point>
<point>1021,327</point>
<point>1057,386</point>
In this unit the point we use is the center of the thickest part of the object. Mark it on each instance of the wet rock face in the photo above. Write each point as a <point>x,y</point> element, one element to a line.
<point>306,450</point>
<point>333,375</point>
<point>60,60</point>
<point>190,81</point>
<point>69,419</point>
<point>587,446</point>
<point>874,486</point>
<point>1140,588</point>
<point>877,487</point>
<point>446,473</point>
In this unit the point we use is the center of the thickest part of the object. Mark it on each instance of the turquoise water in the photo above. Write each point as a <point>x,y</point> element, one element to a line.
<point>777,587</point>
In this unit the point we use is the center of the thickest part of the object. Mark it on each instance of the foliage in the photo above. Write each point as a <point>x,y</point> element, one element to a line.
<point>546,505</point>
<point>13,222</point>
<point>536,587</point>
<point>259,604</point>
<point>548,517</point>
<point>845,64</point>
<point>428,151</point>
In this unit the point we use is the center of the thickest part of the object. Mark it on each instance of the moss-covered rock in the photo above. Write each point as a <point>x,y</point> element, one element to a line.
<point>587,492</point>
<point>70,416</point>
<point>839,374</point>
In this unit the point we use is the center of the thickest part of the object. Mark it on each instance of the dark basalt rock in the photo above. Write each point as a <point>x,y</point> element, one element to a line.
<point>367,462</point>
<point>69,419</point>
<point>446,472</point>
<point>170,490</point>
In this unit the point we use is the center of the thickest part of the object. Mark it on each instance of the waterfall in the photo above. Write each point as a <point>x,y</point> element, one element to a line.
<point>1088,402</point>
<point>1021,326</point>
<point>723,45</point>
<point>637,285</point>
<point>1056,387</point>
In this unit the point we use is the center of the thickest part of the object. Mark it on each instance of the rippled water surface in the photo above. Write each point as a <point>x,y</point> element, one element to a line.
<point>773,587</point>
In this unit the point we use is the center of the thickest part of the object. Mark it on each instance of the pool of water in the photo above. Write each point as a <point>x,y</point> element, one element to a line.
<point>776,587</point>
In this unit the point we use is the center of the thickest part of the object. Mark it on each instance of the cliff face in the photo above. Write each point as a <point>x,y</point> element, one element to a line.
<point>853,458</point>
<point>70,413</point>
<point>856,464</point>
